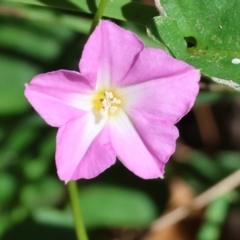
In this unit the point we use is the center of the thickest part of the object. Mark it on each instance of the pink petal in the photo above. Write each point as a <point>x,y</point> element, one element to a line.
<point>159,137</point>
<point>79,152</point>
<point>155,64</point>
<point>167,99</point>
<point>109,53</point>
<point>98,157</point>
<point>132,150</point>
<point>58,96</point>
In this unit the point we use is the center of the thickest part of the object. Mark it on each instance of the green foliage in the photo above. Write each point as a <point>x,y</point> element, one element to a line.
<point>7,188</point>
<point>14,79</point>
<point>115,206</point>
<point>117,9</point>
<point>204,34</point>
<point>208,170</point>
<point>104,206</point>
<point>45,193</point>
<point>214,217</point>
<point>28,182</point>
<point>37,39</point>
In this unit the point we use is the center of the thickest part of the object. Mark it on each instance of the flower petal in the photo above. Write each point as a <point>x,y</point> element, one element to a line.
<point>131,150</point>
<point>153,64</point>
<point>59,96</point>
<point>159,137</point>
<point>76,140</point>
<point>109,54</point>
<point>168,98</point>
<point>98,157</point>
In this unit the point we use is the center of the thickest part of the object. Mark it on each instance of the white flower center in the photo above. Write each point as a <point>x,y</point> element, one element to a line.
<point>109,103</point>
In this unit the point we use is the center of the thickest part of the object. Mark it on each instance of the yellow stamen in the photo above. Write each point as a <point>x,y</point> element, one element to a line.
<point>106,103</point>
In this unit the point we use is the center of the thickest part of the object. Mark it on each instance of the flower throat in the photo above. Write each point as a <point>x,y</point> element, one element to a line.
<point>106,103</point>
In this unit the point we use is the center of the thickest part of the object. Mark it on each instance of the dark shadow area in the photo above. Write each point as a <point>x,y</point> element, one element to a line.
<point>132,12</point>
<point>118,234</point>
<point>230,229</point>
<point>189,131</point>
<point>18,54</point>
<point>71,53</point>
<point>29,230</point>
<point>92,5</point>
<point>226,113</point>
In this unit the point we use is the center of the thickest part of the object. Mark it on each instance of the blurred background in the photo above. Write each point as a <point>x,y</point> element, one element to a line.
<point>117,204</point>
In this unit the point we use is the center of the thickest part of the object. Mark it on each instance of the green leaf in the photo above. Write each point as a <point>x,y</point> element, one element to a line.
<point>27,42</point>
<point>115,206</point>
<point>36,168</point>
<point>7,188</point>
<point>46,193</point>
<point>53,217</point>
<point>124,10</point>
<point>204,34</point>
<point>23,135</point>
<point>47,19</point>
<point>205,165</point>
<point>14,73</point>
<point>104,206</point>
<point>229,161</point>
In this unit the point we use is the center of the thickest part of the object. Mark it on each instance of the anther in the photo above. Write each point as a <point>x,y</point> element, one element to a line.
<point>108,104</point>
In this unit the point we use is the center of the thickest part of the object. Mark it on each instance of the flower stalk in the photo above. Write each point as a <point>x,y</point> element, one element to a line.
<point>98,15</point>
<point>77,216</point>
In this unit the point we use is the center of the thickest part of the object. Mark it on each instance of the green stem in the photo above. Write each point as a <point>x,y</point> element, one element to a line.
<point>79,226</point>
<point>98,15</point>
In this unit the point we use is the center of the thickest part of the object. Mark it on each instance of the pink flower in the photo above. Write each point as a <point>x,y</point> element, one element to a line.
<point>123,104</point>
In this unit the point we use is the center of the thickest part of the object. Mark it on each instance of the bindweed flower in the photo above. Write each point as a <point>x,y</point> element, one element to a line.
<point>123,103</point>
